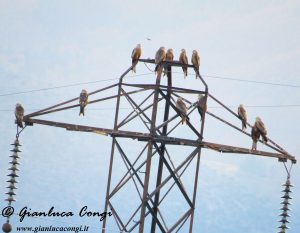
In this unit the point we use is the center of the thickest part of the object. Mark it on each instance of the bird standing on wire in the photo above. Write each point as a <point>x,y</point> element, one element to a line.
<point>180,105</point>
<point>135,56</point>
<point>159,57</point>
<point>183,59</point>
<point>243,116</point>
<point>83,101</point>
<point>19,113</point>
<point>196,62</point>
<point>258,130</point>
<point>169,57</point>
<point>201,105</point>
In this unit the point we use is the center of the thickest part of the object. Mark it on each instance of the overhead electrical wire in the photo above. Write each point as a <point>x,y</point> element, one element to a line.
<point>144,74</point>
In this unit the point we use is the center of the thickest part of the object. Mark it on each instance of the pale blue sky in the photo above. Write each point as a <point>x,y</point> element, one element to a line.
<point>56,43</point>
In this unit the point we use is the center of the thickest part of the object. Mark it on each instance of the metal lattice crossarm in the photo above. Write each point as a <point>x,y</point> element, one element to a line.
<point>161,139</point>
<point>158,139</point>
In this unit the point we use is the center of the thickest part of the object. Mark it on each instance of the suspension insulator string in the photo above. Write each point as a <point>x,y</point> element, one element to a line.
<point>286,201</point>
<point>12,179</point>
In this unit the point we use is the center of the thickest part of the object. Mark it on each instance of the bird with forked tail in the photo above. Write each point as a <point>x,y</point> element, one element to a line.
<point>243,116</point>
<point>201,105</point>
<point>258,130</point>
<point>196,62</point>
<point>135,56</point>
<point>183,59</point>
<point>169,57</point>
<point>160,56</point>
<point>19,114</point>
<point>180,105</point>
<point>83,101</point>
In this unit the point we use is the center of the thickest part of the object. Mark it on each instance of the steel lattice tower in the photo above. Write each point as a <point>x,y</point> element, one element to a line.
<point>157,140</point>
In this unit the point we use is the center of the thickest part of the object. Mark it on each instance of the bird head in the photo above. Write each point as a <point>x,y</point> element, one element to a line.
<point>195,52</point>
<point>138,46</point>
<point>241,106</point>
<point>162,48</point>
<point>18,105</point>
<point>257,119</point>
<point>170,50</point>
<point>83,91</point>
<point>183,50</point>
<point>180,98</point>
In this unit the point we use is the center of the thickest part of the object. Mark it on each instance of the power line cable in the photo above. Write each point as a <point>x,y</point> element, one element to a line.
<point>110,79</point>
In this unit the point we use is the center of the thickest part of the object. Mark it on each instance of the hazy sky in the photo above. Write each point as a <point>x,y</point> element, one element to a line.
<point>73,45</point>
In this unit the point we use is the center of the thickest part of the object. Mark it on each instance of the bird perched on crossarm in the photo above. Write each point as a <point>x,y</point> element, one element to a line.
<point>169,57</point>
<point>159,57</point>
<point>262,129</point>
<point>83,101</point>
<point>196,62</point>
<point>135,56</point>
<point>201,105</point>
<point>183,59</point>
<point>258,130</point>
<point>180,105</point>
<point>19,114</point>
<point>243,116</point>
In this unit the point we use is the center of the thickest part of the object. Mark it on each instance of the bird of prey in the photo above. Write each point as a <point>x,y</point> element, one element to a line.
<point>196,62</point>
<point>243,116</point>
<point>83,101</point>
<point>169,57</point>
<point>136,54</point>
<point>258,130</point>
<point>159,57</point>
<point>183,59</point>
<point>201,105</point>
<point>19,113</point>
<point>180,105</point>
<point>262,129</point>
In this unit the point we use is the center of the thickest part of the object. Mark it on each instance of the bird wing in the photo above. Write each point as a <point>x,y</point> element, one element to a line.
<point>181,106</point>
<point>160,56</point>
<point>202,104</point>
<point>261,126</point>
<point>242,113</point>
<point>133,53</point>
<point>169,56</point>
<point>195,60</point>
<point>255,134</point>
<point>183,58</point>
<point>83,99</point>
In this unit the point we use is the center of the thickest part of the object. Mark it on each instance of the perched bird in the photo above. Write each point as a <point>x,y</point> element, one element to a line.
<point>183,59</point>
<point>201,105</point>
<point>136,54</point>
<point>243,116</point>
<point>83,101</point>
<point>169,57</point>
<point>180,105</point>
<point>258,130</point>
<point>196,62</point>
<point>19,113</point>
<point>262,129</point>
<point>159,57</point>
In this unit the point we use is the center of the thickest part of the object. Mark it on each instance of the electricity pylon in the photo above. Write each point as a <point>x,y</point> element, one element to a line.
<point>155,133</point>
